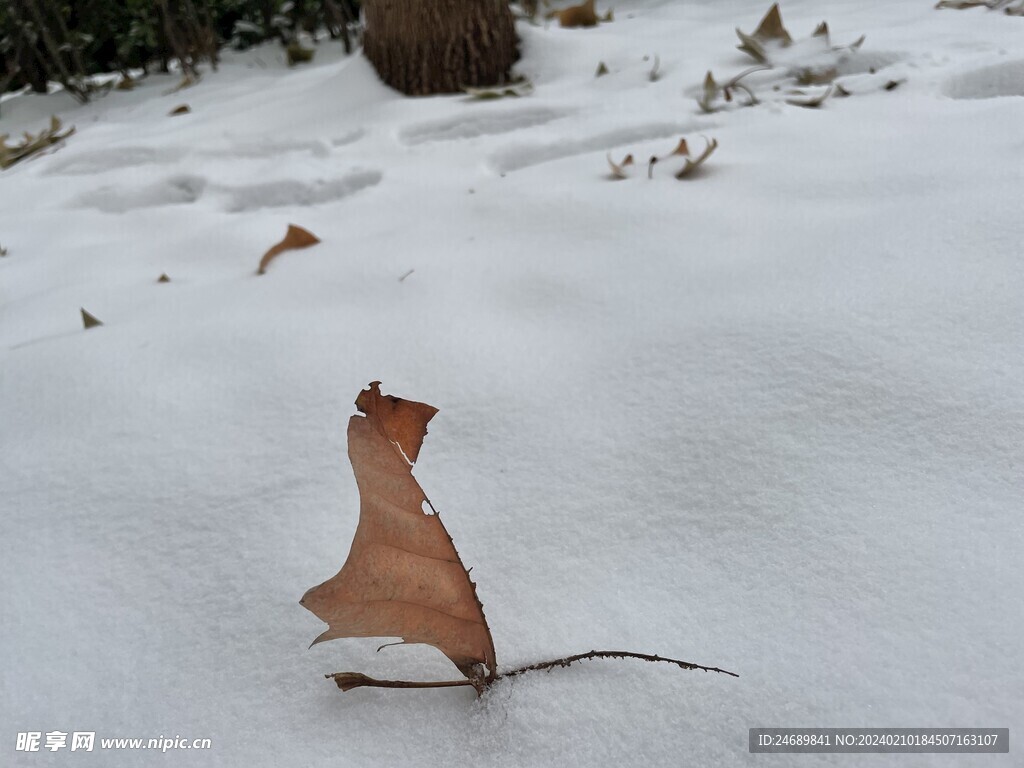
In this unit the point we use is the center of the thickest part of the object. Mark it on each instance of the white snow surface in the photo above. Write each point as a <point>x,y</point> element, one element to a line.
<point>769,418</point>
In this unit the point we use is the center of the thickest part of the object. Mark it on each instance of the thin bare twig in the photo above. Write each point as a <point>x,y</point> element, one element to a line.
<point>567,660</point>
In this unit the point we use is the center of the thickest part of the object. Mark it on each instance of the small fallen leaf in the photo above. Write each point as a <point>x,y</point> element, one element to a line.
<point>812,76</point>
<point>711,89</point>
<point>295,237</point>
<point>187,81</point>
<point>403,577</point>
<point>582,15</point>
<point>813,101</point>
<point>709,93</point>
<point>163,278</point>
<point>295,53</point>
<point>89,321</point>
<point>601,69</point>
<point>681,149</point>
<point>31,144</point>
<point>654,75</point>
<point>693,165</point>
<point>770,29</point>
<point>181,109</point>
<point>959,5</point>
<point>893,85</point>
<point>619,170</point>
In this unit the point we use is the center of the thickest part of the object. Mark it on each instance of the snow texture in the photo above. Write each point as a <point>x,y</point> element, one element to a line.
<point>770,418</point>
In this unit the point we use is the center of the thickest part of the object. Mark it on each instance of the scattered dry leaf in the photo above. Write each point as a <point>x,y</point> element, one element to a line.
<point>295,237</point>
<point>709,93</point>
<point>31,144</point>
<point>582,15</point>
<point>682,148</point>
<point>403,576</point>
<point>619,170</point>
<point>813,76</point>
<point>769,30</point>
<point>181,109</point>
<point>187,81</point>
<point>601,69</point>
<point>296,53</point>
<point>811,101</point>
<point>654,75</point>
<point>89,320</point>
<point>1010,7</point>
<point>711,89</point>
<point>694,164</point>
<point>164,278</point>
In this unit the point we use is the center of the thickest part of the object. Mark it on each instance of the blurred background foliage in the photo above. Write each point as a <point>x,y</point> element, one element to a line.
<point>67,41</point>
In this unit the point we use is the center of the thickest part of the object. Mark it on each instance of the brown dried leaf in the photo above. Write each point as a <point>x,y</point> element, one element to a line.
<point>403,576</point>
<point>709,93</point>
<point>295,237</point>
<point>582,15</point>
<point>816,76</point>
<point>811,102</point>
<point>619,170</point>
<point>31,144</point>
<point>694,164</point>
<point>682,148</point>
<point>89,320</point>
<point>769,30</point>
<point>181,109</point>
<point>771,27</point>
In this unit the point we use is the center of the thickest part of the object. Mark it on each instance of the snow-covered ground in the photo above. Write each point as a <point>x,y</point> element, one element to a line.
<point>769,418</point>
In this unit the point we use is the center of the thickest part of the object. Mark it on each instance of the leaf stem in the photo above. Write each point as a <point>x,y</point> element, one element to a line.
<point>349,680</point>
<point>346,681</point>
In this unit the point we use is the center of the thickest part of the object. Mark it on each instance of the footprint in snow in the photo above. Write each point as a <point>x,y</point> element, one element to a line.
<point>1003,79</point>
<point>487,123</point>
<point>100,160</point>
<point>518,157</point>
<point>278,194</point>
<point>187,189</point>
<point>117,158</point>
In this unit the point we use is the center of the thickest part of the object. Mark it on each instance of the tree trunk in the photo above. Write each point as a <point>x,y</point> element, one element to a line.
<point>421,47</point>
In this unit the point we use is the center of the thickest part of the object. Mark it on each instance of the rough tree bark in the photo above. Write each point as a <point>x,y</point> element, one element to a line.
<point>421,47</point>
